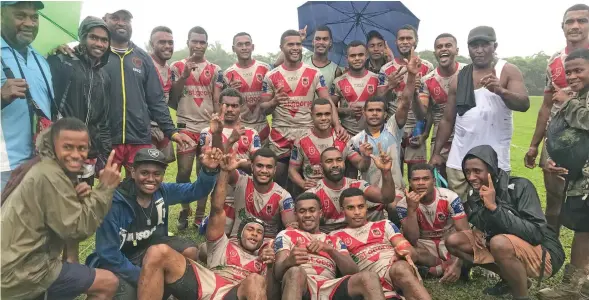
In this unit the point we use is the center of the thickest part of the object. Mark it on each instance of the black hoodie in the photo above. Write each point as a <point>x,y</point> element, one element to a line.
<point>518,209</point>
<point>81,90</point>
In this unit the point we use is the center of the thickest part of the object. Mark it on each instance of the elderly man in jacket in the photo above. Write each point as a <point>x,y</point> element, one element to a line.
<point>47,209</point>
<point>512,238</point>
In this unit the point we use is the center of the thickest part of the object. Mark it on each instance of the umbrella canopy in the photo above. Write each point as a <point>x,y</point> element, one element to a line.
<point>352,20</point>
<point>59,22</point>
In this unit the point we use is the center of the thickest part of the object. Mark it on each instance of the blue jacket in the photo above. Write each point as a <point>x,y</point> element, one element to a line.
<point>111,235</point>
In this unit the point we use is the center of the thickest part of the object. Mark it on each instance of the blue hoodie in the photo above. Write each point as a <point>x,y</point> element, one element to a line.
<point>111,235</point>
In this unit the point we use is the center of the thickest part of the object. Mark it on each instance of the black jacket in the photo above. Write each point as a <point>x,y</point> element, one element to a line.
<point>82,91</point>
<point>518,209</point>
<point>137,98</point>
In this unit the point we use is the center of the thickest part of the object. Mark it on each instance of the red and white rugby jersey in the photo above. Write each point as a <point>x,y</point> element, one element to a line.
<point>333,214</point>
<point>165,75</point>
<point>268,207</point>
<point>229,260</point>
<point>252,79</point>
<point>354,91</point>
<point>370,245</point>
<point>320,266</point>
<point>436,219</point>
<point>244,148</point>
<point>556,77</point>
<point>435,89</point>
<point>307,152</point>
<point>391,67</point>
<point>300,85</point>
<point>197,96</point>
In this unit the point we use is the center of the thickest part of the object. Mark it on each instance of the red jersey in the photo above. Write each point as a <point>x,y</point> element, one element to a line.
<point>251,79</point>
<point>354,91</point>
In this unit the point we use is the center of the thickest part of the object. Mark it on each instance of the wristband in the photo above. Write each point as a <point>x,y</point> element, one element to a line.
<point>208,171</point>
<point>404,245</point>
<point>173,135</point>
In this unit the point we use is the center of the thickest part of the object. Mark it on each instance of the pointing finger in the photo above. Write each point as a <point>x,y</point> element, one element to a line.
<point>111,157</point>
<point>490,181</point>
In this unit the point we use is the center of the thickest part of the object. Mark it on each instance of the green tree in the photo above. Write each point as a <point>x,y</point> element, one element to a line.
<point>533,69</point>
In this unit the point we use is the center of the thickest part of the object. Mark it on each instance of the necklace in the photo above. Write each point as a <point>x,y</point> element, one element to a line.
<point>148,218</point>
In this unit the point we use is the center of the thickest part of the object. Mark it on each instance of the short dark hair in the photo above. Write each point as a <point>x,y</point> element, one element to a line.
<point>290,32</point>
<point>446,35</point>
<point>264,152</point>
<point>373,34</point>
<point>327,150</point>
<point>307,196</point>
<point>198,30</point>
<point>319,101</point>
<point>421,167</point>
<point>325,28</point>
<point>159,29</point>
<point>241,34</point>
<point>72,124</point>
<point>350,192</point>
<point>578,53</point>
<point>409,27</point>
<point>230,92</point>
<point>377,98</point>
<point>575,8</point>
<point>355,43</point>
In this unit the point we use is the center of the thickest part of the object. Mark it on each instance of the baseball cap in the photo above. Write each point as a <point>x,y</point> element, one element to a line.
<point>482,33</point>
<point>38,4</point>
<point>121,12</point>
<point>150,155</point>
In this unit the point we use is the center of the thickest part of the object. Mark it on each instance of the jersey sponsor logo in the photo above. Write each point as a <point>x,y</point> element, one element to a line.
<point>402,212</point>
<point>265,87</point>
<point>321,80</point>
<point>381,78</point>
<point>257,142</point>
<point>203,139</point>
<point>288,203</point>
<point>294,153</point>
<point>278,244</point>
<point>457,206</point>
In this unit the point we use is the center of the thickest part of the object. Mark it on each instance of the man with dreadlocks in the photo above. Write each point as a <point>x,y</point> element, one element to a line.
<point>235,267</point>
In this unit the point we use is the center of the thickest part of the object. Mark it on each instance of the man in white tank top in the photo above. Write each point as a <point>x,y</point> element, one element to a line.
<point>498,90</point>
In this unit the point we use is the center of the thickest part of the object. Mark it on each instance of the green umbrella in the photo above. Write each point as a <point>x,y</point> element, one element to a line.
<point>59,22</point>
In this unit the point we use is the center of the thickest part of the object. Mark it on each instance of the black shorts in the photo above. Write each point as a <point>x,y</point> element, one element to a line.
<point>174,242</point>
<point>575,214</point>
<point>187,286</point>
<point>73,280</point>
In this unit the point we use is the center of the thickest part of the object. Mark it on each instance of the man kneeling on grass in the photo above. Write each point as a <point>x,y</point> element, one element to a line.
<point>379,247</point>
<point>235,267</point>
<point>512,238</point>
<point>138,218</point>
<point>307,261</point>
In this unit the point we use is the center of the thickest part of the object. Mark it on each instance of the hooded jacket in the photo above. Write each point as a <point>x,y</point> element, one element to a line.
<point>518,208</point>
<point>115,231</point>
<point>136,97</point>
<point>82,89</point>
<point>38,217</point>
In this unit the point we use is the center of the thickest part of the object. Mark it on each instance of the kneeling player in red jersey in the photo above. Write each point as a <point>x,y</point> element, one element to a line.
<point>307,261</point>
<point>235,268</point>
<point>379,247</point>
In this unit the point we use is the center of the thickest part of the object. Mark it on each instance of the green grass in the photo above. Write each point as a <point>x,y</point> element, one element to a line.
<point>524,124</point>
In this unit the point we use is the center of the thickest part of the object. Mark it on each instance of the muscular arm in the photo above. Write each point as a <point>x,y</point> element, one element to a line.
<point>295,176</point>
<point>344,262</point>
<point>411,227</point>
<point>420,105</point>
<point>461,224</point>
<point>447,123</point>
<point>216,93</point>
<point>282,264</point>
<point>384,195</point>
<point>543,116</point>
<point>515,95</point>
<point>405,102</point>
<point>268,104</point>
<point>362,163</point>
<point>216,227</point>
<point>176,92</point>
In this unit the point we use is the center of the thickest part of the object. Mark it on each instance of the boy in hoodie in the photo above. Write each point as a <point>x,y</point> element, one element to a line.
<point>37,222</point>
<point>139,217</point>
<point>512,238</point>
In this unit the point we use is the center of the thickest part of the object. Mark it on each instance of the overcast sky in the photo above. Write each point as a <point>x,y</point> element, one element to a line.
<point>523,27</point>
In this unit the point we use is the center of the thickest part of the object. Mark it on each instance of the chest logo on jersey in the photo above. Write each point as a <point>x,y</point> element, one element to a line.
<point>300,240</point>
<point>347,89</point>
<point>348,241</point>
<point>245,140</point>
<point>207,73</point>
<point>437,91</point>
<point>259,77</point>
<point>376,232</point>
<point>250,197</point>
<point>137,62</point>
<point>370,88</point>
<point>441,217</point>
<point>305,81</point>
<point>232,253</point>
<point>258,266</point>
<point>269,208</point>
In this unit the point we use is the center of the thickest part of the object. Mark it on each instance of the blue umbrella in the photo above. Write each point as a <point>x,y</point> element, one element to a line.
<point>352,20</point>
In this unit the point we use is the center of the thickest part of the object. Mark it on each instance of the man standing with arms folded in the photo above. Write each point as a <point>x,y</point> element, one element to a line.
<point>575,26</point>
<point>247,76</point>
<point>490,87</point>
<point>161,42</point>
<point>196,92</point>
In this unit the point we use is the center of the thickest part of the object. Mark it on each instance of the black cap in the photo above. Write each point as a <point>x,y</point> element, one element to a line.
<point>482,33</point>
<point>121,12</point>
<point>38,4</point>
<point>150,155</point>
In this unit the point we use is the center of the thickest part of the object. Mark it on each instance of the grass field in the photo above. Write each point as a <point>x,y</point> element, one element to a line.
<point>524,127</point>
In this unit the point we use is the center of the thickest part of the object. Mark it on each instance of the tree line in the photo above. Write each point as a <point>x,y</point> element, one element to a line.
<point>533,67</point>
